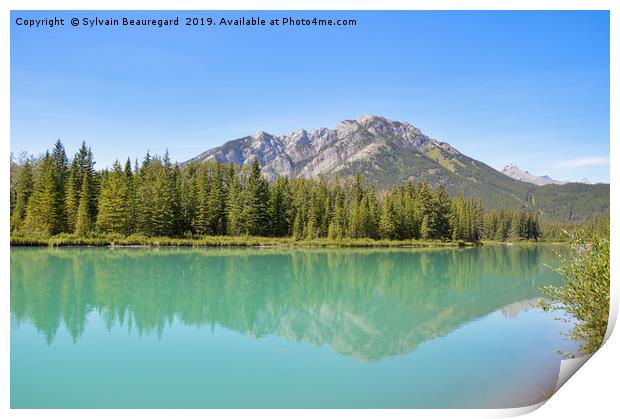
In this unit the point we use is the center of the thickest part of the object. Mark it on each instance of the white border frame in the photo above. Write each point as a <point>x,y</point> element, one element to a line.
<point>592,393</point>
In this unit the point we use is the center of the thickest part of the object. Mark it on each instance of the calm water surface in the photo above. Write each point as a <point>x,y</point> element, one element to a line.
<point>282,328</point>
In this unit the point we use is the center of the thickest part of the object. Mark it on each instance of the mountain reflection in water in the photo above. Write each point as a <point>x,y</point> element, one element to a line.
<point>367,304</point>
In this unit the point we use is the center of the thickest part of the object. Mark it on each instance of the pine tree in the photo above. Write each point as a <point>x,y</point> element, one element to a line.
<point>176,222</point>
<point>201,219</point>
<point>312,223</point>
<point>299,208</point>
<point>61,170</point>
<point>43,215</point>
<point>145,179</point>
<point>162,222</point>
<point>425,228</point>
<point>61,163</point>
<point>233,205</point>
<point>371,222</point>
<point>84,221</point>
<point>13,176</point>
<point>354,222</point>
<point>23,191</point>
<point>278,208</point>
<point>113,203</point>
<point>298,230</point>
<point>72,195</point>
<point>407,211</point>
<point>127,169</point>
<point>255,211</point>
<point>215,203</point>
<point>517,226</point>
<point>440,211</point>
<point>388,223</point>
<point>457,218</point>
<point>335,230</point>
<point>337,226</point>
<point>88,192</point>
<point>358,188</point>
<point>534,226</point>
<point>130,184</point>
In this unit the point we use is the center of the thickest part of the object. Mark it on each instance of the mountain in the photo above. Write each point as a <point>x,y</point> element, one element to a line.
<point>514,172</point>
<point>389,153</point>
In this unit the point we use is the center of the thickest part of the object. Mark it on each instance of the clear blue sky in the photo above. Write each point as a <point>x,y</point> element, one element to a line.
<point>525,87</point>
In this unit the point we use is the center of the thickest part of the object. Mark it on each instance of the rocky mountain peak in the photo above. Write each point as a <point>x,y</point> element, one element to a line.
<point>325,150</point>
<point>261,135</point>
<point>513,171</point>
<point>388,153</point>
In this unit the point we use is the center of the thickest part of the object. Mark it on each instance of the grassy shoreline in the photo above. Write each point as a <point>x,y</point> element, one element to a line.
<point>223,241</point>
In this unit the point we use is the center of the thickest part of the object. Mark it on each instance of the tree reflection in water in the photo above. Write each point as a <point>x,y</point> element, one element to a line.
<point>369,304</point>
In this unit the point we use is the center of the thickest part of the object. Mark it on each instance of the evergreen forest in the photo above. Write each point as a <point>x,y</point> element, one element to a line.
<point>53,194</point>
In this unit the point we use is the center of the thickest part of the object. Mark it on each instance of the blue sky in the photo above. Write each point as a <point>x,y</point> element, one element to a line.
<point>525,87</point>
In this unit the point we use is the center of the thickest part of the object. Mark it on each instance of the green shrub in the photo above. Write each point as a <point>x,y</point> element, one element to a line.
<point>585,293</point>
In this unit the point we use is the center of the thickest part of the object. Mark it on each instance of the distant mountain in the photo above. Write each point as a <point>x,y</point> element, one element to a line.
<point>514,172</point>
<point>389,153</point>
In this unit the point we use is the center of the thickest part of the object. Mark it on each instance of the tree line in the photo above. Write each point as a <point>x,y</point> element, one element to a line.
<point>597,226</point>
<point>511,224</point>
<point>52,195</point>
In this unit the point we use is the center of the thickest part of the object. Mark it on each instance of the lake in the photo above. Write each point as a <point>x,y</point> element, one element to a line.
<point>294,328</point>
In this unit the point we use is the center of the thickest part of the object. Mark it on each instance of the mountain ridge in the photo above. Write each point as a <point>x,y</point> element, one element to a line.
<point>389,153</point>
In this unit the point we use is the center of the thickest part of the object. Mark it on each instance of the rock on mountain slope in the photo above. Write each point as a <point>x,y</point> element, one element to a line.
<point>323,150</point>
<point>514,172</point>
<point>388,153</point>
<point>329,151</point>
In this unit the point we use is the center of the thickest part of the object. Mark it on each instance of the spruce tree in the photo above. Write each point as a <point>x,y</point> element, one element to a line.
<point>312,223</point>
<point>201,220</point>
<point>43,215</point>
<point>337,229</point>
<point>216,203</point>
<point>113,203</point>
<point>255,211</point>
<point>174,181</point>
<point>23,191</point>
<point>388,222</point>
<point>61,163</point>
<point>279,198</point>
<point>233,206</point>
<point>425,228</point>
<point>13,176</point>
<point>61,170</point>
<point>440,213</point>
<point>131,198</point>
<point>85,176</point>
<point>300,197</point>
<point>72,195</point>
<point>84,221</point>
<point>162,222</point>
<point>145,179</point>
<point>298,230</point>
<point>407,211</point>
<point>371,223</point>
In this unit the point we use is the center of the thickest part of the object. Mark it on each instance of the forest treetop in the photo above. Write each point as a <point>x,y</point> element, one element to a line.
<point>54,194</point>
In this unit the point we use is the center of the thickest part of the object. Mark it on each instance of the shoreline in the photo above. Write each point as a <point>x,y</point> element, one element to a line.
<point>226,241</point>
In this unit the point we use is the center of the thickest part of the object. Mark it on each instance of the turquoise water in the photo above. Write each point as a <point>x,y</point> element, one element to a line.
<point>98,327</point>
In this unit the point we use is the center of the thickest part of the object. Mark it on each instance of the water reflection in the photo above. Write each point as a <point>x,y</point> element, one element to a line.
<point>368,304</point>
